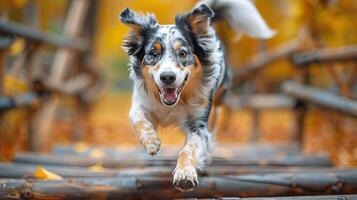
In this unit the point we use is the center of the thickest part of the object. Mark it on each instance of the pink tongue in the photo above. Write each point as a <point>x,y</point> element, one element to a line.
<point>169,94</point>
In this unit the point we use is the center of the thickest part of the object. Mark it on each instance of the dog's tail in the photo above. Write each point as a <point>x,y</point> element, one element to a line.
<point>241,15</point>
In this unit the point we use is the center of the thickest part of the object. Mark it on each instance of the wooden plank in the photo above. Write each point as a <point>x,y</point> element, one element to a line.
<point>14,170</point>
<point>30,33</point>
<point>320,98</point>
<point>219,151</point>
<point>18,170</point>
<point>259,101</point>
<point>279,184</point>
<point>316,197</point>
<point>347,53</point>
<point>115,162</point>
<point>5,42</point>
<point>7,102</point>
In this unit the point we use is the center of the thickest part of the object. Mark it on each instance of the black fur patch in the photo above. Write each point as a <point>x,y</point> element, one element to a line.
<point>143,28</point>
<point>185,29</point>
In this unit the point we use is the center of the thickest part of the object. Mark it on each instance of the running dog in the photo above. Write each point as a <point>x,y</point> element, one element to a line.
<point>180,76</point>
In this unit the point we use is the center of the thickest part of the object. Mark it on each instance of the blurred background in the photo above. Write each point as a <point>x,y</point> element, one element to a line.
<point>77,91</point>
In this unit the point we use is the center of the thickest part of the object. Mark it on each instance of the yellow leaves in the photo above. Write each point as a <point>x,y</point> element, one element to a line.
<point>80,147</point>
<point>19,3</point>
<point>17,47</point>
<point>42,173</point>
<point>96,168</point>
<point>97,153</point>
<point>12,85</point>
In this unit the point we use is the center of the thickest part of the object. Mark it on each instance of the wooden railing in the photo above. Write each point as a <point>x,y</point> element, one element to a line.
<point>297,95</point>
<point>45,87</point>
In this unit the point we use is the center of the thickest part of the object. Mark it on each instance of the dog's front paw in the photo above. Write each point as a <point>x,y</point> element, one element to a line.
<point>152,144</point>
<point>185,179</point>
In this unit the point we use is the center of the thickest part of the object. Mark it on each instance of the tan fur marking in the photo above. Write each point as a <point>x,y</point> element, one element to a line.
<point>149,81</point>
<point>199,24</point>
<point>142,127</point>
<point>145,133</point>
<point>217,98</point>
<point>177,45</point>
<point>193,83</point>
<point>212,120</point>
<point>188,156</point>
<point>158,47</point>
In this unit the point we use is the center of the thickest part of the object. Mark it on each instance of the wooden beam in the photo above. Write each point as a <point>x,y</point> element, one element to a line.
<point>320,98</point>
<point>347,53</point>
<point>316,197</point>
<point>6,42</point>
<point>115,162</point>
<point>259,101</point>
<point>15,170</point>
<point>278,184</point>
<point>18,170</point>
<point>7,102</point>
<point>30,33</point>
<point>219,151</point>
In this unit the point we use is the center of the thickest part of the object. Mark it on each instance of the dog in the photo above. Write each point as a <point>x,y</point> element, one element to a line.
<point>180,77</point>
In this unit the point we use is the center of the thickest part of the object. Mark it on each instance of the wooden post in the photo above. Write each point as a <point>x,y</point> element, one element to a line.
<point>83,108</point>
<point>300,111</point>
<point>255,132</point>
<point>2,66</point>
<point>63,58</point>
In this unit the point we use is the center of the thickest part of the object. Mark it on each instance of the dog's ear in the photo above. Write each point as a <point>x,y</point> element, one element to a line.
<point>197,21</point>
<point>139,24</point>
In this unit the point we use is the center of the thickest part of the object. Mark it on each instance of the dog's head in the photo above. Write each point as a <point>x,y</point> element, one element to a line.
<point>168,58</point>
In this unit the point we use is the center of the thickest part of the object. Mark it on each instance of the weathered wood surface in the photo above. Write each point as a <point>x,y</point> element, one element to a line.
<point>316,197</point>
<point>278,184</point>
<point>259,101</point>
<point>16,170</point>
<point>347,53</point>
<point>39,36</point>
<point>43,120</point>
<point>6,41</point>
<point>7,102</point>
<point>220,151</point>
<point>115,162</point>
<point>320,98</point>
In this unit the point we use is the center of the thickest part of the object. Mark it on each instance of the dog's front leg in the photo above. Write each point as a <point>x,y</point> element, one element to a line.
<point>144,129</point>
<point>193,155</point>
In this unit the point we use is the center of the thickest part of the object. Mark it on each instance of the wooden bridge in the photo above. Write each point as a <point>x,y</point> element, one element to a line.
<point>250,171</point>
<point>236,171</point>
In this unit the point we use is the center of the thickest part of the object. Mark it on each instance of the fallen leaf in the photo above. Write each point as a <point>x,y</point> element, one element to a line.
<point>42,173</point>
<point>96,168</point>
<point>97,153</point>
<point>80,147</point>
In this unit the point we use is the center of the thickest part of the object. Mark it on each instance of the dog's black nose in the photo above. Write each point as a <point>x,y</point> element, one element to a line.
<point>168,77</point>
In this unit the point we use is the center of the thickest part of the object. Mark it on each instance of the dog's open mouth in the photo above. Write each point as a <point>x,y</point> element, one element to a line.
<point>170,95</point>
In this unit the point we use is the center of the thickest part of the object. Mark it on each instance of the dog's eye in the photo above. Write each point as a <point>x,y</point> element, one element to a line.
<point>182,54</point>
<point>153,54</point>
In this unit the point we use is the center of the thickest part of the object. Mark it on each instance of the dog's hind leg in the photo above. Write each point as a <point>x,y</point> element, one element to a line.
<point>144,129</point>
<point>194,155</point>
